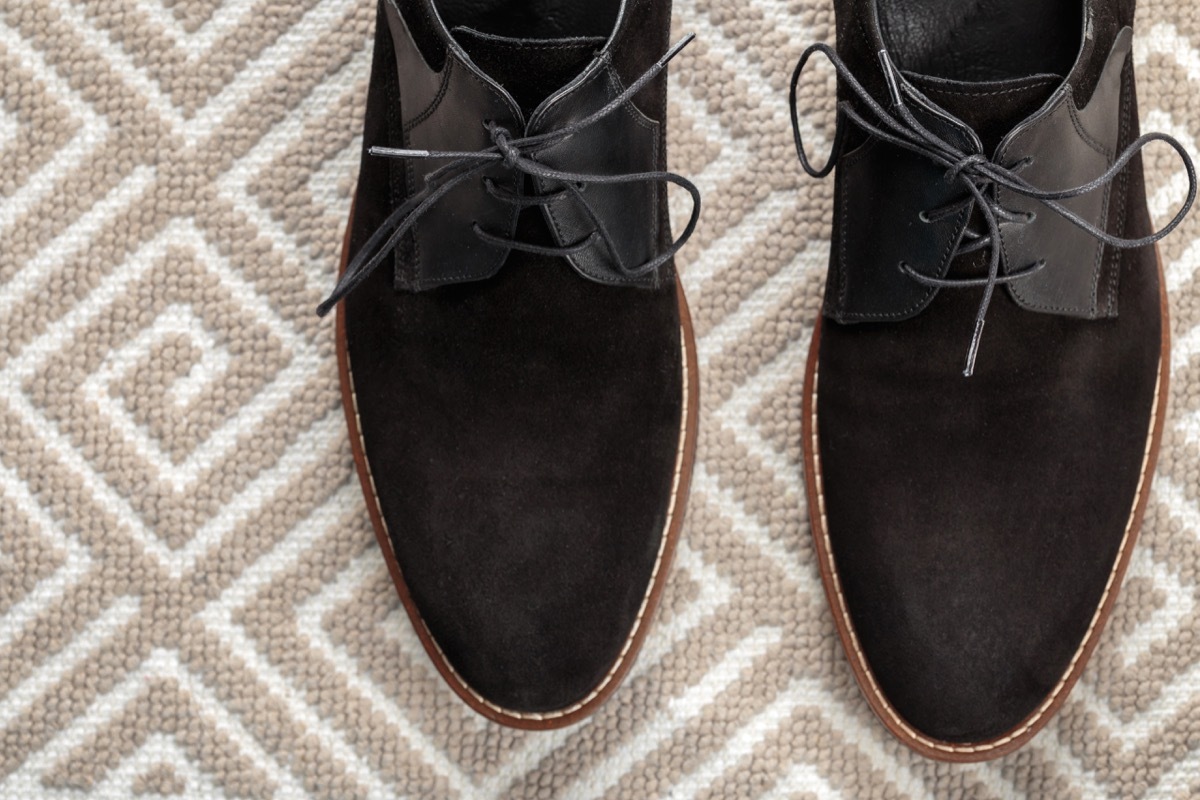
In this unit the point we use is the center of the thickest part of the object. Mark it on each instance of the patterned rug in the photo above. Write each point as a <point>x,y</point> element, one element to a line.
<point>191,599</point>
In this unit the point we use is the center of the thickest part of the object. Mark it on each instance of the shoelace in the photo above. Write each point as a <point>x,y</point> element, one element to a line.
<point>977,173</point>
<point>518,155</point>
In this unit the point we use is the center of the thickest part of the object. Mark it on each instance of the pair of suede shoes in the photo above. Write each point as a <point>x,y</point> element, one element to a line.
<point>519,370</point>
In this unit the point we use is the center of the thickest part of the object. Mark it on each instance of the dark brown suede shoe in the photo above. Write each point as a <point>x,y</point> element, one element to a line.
<point>517,362</point>
<point>972,532</point>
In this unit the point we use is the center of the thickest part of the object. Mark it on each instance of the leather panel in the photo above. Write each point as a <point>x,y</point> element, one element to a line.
<point>882,192</point>
<point>446,108</point>
<point>628,211</point>
<point>450,117</point>
<point>1070,147</point>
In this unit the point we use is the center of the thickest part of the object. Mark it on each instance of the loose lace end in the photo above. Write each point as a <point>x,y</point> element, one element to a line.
<point>973,351</point>
<point>674,51</point>
<point>398,152</point>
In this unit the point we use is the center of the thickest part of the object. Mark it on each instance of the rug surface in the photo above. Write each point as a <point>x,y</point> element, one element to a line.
<point>191,600</point>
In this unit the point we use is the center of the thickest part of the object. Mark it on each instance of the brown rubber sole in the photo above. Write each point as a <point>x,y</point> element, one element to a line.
<point>685,458</point>
<point>1025,730</point>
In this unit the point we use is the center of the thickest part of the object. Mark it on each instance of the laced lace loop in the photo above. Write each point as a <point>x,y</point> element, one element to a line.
<point>502,139</point>
<point>977,173</point>
<point>518,154</point>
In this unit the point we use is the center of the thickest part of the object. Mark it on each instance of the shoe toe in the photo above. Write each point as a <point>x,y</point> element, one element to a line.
<point>523,437</point>
<point>535,621</point>
<point>979,526</point>
<point>967,647</point>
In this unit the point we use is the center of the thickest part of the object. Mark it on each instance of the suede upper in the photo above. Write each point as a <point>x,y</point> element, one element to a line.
<point>975,522</point>
<point>522,431</point>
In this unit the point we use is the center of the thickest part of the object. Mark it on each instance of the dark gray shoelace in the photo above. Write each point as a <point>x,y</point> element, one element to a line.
<point>519,156</point>
<point>977,173</point>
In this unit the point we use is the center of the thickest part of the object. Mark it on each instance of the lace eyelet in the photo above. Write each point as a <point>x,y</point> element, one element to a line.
<point>924,217</point>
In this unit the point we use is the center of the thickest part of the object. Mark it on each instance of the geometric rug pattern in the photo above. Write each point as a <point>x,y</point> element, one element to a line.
<point>192,603</point>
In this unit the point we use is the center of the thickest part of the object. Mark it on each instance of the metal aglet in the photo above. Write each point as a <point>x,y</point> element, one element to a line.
<point>398,152</point>
<point>889,74</point>
<point>674,51</point>
<point>973,352</point>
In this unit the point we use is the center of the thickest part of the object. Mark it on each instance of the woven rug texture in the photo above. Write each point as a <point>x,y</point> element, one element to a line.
<point>192,602</point>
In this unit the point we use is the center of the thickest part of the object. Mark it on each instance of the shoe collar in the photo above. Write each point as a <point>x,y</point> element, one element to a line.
<point>448,41</point>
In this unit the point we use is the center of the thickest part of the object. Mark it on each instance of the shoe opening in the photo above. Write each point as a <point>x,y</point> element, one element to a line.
<point>532,19</point>
<point>982,40</point>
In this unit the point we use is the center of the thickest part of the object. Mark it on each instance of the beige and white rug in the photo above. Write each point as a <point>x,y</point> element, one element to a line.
<point>191,600</point>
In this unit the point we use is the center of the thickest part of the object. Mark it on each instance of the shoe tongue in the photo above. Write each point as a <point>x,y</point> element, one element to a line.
<point>991,108</point>
<point>530,69</point>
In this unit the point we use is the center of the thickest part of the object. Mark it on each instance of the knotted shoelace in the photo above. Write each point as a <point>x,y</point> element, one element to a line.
<point>519,156</point>
<point>978,174</point>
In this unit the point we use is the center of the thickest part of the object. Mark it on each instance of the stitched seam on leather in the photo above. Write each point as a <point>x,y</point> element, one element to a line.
<point>943,263</point>
<point>416,281</point>
<point>617,85</point>
<point>645,122</point>
<point>1015,288</point>
<point>860,27</point>
<point>660,144</point>
<point>658,559</point>
<point>395,121</point>
<point>503,254</point>
<point>1108,158</point>
<point>554,219</point>
<point>535,45</point>
<point>1067,674</point>
<point>437,98</point>
<point>1083,134</point>
<point>918,305</point>
<point>1098,261</point>
<point>1123,185</point>
<point>863,316</point>
<point>945,91</point>
<point>849,160</point>
<point>419,282</point>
